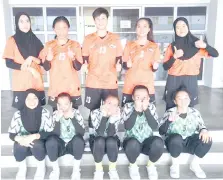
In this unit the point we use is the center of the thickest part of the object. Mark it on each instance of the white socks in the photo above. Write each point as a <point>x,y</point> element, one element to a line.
<point>55,174</point>
<point>41,170</point>
<point>195,167</point>
<point>22,169</point>
<point>76,165</point>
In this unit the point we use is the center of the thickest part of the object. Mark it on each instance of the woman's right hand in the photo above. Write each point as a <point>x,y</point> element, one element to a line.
<point>138,105</point>
<point>178,53</point>
<point>129,64</point>
<point>84,67</point>
<point>26,141</point>
<point>27,63</point>
<point>49,56</point>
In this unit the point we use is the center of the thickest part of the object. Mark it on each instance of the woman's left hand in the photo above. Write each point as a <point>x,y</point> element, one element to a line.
<point>70,53</point>
<point>200,44</point>
<point>145,104</point>
<point>204,136</point>
<point>155,65</point>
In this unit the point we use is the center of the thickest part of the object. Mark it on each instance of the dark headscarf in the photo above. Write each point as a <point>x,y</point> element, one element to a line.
<point>31,118</point>
<point>186,43</point>
<point>27,43</point>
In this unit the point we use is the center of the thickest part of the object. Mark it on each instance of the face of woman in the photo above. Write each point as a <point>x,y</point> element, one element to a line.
<point>24,24</point>
<point>142,28</point>
<point>61,29</point>
<point>101,22</point>
<point>182,99</point>
<point>140,95</point>
<point>31,101</point>
<point>181,29</point>
<point>64,104</point>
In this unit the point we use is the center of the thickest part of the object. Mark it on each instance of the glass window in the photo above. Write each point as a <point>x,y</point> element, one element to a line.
<point>45,77</point>
<point>163,40</point>
<point>162,17</point>
<point>41,38</point>
<point>52,36</point>
<point>36,15</point>
<point>69,13</point>
<point>195,15</point>
<point>124,20</point>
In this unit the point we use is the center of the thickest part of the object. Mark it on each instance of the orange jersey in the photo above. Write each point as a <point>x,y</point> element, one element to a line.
<point>102,60</point>
<point>185,67</point>
<point>142,58</point>
<point>22,80</point>
<point>63,76</point>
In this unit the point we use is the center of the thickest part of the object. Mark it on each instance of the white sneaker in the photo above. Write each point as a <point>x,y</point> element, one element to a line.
<point>21,174</point>
<point>40,171</point>
<point>198,171</point>
<point>134,173</point>
<point>76,175</point>
<point>152,172</point>
<point>98,175</point>
<point>113,174</point>
<point>175,171</point>
<point>55,174</point>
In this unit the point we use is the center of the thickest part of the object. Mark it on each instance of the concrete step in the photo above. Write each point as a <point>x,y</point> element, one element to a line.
<point>213,172</point>
<point>215,156</point>
<point>216,136</point>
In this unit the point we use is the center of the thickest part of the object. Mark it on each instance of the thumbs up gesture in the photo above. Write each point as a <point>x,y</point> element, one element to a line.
<point>155,65</point>
<point>200,43</point>
<point>129,63</point>
<point>118,66</point>
<point>49,56</point>
<point>178,53</point>
<point>70,53</point>
<point>84,67</point>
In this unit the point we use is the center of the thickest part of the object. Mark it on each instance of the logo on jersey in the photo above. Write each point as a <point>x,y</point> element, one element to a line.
<point>112,46</point>
<point>62,56</point>
<point>102,50</point>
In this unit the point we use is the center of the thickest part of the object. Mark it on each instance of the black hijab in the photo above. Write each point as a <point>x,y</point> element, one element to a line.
<point>186,43</point>
<point>31,118</point>
<point>27,43</point>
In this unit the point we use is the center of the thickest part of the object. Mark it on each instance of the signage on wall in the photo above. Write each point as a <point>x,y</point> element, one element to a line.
<point>125,24</point>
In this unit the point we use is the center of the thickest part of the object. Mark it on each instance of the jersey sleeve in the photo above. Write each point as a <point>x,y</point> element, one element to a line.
<point>86,47</point>
<point>9,51</point>
<point>126,53</point>
<point>168,54</point>
<point>78,54</point>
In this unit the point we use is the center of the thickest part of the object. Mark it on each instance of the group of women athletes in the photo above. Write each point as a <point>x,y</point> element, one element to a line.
<point>37,133</point>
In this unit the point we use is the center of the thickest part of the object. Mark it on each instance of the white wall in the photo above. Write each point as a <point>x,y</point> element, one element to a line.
<point>213,70</point>
<point>5,32</point>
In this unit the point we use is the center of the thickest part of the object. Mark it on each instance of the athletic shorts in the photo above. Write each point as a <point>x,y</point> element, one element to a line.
<point>175,82</point>
<point>94,97</point>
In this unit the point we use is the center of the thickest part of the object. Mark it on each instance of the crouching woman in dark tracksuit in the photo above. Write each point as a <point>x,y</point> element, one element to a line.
<point>185,131</point>
<point>67,136</point>
<point>139,118</point>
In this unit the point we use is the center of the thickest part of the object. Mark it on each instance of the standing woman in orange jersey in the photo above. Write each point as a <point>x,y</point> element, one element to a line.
<point>21,55</point>
<point>182,60</point>
<point>141,58</point>
<point>63,58</point>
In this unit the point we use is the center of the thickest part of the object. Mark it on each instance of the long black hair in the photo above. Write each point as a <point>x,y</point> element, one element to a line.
<point>150,23</point>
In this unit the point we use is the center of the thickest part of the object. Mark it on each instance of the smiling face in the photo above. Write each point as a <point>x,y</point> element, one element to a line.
<point>182,99</point>
<point>101,22</point>
<point>31,101</point>
<point>24,24</point>
<point>61,29</point>
<point>64,104</point>
<point>181,29</point>
<point>142,28</point>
